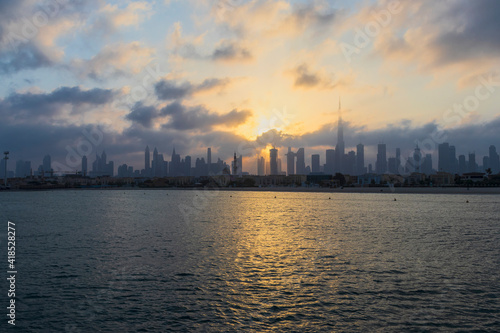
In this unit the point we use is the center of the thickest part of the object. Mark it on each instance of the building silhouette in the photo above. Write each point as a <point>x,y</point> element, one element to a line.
<point>84,166</point>
<point>290,162</point>
<point>301,162</point>
<point>315,163</point>
<point>381,164</point>
<point>340,147</point>
<point>273,160</point>
<point>100,167</point>
<point>360,159</point>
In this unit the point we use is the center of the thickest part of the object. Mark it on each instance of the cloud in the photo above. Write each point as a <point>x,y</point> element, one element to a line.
<point>182,118</point>
<point>230,51</point>
<point>29,32</point>
<point>453,38</point>
<point>27,57</point>
<point>198,117</point>
<point>305,78</point>
<point>112,17</point>
<point>114,60</point>
<point>34,107</point>
<point>171,90</point>
<point>143,115</point>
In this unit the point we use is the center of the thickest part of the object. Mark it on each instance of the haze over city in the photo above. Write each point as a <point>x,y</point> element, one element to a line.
<point>236,74</point>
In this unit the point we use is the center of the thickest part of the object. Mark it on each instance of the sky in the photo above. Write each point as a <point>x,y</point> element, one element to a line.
<point>79,77</point>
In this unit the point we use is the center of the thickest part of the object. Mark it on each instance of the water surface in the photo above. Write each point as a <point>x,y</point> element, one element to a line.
<point>167,260</point>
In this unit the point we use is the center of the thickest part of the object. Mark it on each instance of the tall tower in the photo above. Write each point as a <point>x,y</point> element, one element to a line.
<point>381,164</point>
<point>47,164</point>
<point>290,162</point>
<point>340,147</point>
<point>417,159</point>
<point>84,166</point>
<point>300,168</point>
<point>360,159</point>
<point>235,165</point>
<point>273,155</point>
<point>444,157</point>
<point>209,160</point>
<point>147,161</point>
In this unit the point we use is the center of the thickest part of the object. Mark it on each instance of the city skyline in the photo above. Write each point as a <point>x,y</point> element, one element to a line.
<point>352,163</point>
<point>221,74</point>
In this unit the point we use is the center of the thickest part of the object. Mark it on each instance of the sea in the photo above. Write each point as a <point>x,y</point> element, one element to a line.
<point>251,261</point>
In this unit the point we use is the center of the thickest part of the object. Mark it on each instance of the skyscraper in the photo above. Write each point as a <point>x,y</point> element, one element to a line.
<point>486,163</point>
<point>315,163</point>
<point>427,164</point>
<point>494,160</point>
<point>350,163</point>
<point>261,166</point>
<point>417,159</point>
<point>301,162</point>
<point>290,162</point>
<point>235,165</point>
<point>462,165</point>
<point>187,166</point>
<point>147,162</point>
<point>175,165</point>
<point>47,165</point>
<point>398,161</point>
<point>472,162</point>
<point>330,162</point>
<point>444,157</point>
<point>340,147</point>
<point>453,162</point>
<point>209,161</point>
<point>84,166</point>
<point>273,157</point>
<point>381,164</point>
<point>360,159</point>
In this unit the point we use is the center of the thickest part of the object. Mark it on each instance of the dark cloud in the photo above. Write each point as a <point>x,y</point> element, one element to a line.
<point>143,115</point>
<point>198,117</point>
<point>213,83</point>
<point>171,90</point>
<point>182,118</point>
<point>231,51</point>
<point>30,106</point>
<point>18,31</point>
<point>305,78</point>
<point>26,56</point>
<point>461,31</point>
<point>309,14</point>
<point>475,31</point>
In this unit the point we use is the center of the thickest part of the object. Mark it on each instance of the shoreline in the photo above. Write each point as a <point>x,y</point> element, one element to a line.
<point>382,190</point>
